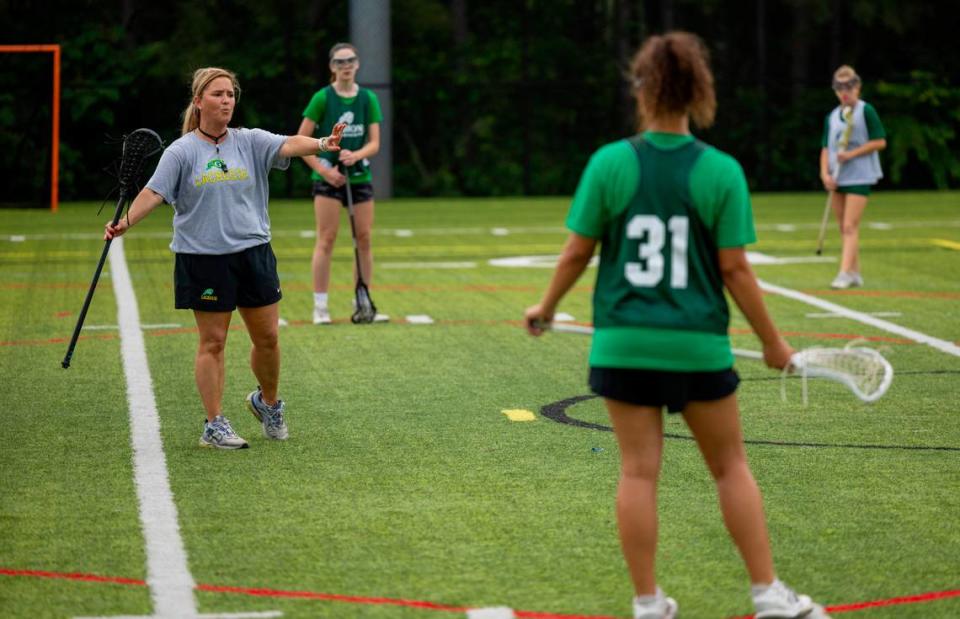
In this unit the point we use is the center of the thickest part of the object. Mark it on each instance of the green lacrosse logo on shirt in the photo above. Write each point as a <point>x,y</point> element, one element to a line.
<point>208,295</point>
<point>216,163</point>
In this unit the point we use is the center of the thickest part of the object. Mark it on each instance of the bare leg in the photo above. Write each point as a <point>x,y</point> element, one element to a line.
<point>327,213</point>
<point>716,428</point>
<point>852,213</point>
<point>262,325</point>
<point>838,204</point>
<point>639,431</point>
<point>208,368</point>
<point>363,217</point>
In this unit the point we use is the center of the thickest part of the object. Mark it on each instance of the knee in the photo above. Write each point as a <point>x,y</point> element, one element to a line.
<point>212,345</point>
<point>639,470</point>
<point>266,341</point>
<point>325,241</point>
<point>733,466</point>
<point>363,240</point>
<point>849,229</point>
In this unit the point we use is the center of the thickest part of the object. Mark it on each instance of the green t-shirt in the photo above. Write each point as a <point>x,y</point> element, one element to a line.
<point>327,108</point>
<point>662,205</point>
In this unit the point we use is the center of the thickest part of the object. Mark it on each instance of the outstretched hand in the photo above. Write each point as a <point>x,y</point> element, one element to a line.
<point>333,140</point>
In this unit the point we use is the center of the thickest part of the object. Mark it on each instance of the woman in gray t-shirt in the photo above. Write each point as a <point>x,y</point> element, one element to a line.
<point>216,180</point>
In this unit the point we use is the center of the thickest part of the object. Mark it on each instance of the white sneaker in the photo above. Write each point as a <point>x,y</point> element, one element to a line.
<point>842,281</point>
<point>661,607</point>
<point>321,316</point>
<point>857,280</point>
<point>780,601</point>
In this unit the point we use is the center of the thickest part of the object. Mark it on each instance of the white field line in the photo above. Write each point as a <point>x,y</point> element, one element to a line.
<point>168,574</point>
<point>494,612</point>
<point>833,315</point>
<point>778,227</point>
<point>942,345</point>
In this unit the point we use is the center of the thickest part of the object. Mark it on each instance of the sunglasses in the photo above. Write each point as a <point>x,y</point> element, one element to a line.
<point>847,85</point>
<point>344,62</point>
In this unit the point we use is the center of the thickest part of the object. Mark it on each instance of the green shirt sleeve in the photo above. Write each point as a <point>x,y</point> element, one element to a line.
<point>875,130</point>
<point>825,140</point>
<point>376,115</point>
<point>317,106</point>
<point>718,188</point>
<point>606,187</point>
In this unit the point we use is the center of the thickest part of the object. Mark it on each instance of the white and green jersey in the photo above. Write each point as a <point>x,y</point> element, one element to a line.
<point>864,126</point>
<point>662,205</point>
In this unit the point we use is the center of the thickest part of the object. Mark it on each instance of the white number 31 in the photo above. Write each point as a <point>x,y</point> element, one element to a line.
<point>649,271</point>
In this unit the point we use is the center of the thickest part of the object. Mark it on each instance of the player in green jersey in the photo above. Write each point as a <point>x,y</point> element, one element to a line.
<point>343,100</point>
<point>672,216</point>
<point>850,166</point>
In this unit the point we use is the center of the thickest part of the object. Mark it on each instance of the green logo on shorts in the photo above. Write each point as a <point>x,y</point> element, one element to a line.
<point>208,295</point>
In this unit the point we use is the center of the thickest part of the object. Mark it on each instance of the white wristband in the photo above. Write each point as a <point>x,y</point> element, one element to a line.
<point>322,144</point>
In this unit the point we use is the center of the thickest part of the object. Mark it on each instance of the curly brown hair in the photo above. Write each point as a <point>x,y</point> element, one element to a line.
<point>671,75</point>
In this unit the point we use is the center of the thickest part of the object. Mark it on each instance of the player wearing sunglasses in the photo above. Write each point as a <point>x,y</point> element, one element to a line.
<point>343,100</point>
<point>850,166</point>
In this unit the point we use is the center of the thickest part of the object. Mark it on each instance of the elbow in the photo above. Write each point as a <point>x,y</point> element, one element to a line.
<point>881,144</point>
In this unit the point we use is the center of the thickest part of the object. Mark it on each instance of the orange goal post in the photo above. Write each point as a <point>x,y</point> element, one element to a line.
<point>55,133</point>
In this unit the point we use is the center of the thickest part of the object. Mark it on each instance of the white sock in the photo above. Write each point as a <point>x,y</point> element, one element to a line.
<point>758,588</point>
<point>645,600</point>
<point>320,299</point>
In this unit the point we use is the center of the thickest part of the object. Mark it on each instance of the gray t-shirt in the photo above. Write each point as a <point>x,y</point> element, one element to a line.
<point>218,212</point>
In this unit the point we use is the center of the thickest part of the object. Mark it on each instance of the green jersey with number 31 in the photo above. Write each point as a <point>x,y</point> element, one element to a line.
<point>661,205</point>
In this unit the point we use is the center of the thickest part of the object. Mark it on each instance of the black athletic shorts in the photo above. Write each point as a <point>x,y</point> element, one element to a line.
<point>223,283</point>
<point>659,388</point>
<point>360,192</point>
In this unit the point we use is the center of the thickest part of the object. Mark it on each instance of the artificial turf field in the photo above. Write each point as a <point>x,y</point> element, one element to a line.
<point>405,491</point>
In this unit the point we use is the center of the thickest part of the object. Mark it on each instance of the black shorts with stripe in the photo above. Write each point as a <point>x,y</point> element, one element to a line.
<point>662,388</point>
<point>222,283</point>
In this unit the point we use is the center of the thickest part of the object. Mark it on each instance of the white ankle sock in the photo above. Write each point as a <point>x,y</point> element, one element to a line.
<point>758,588</point>
<point>320,299</point>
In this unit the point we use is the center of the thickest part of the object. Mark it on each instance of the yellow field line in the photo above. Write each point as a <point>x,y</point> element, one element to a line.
<point>945,243</point>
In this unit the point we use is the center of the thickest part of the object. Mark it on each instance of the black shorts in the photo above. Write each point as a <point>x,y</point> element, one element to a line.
<point>360,192</point>
<point>659,388</point>
<point>223,283</point>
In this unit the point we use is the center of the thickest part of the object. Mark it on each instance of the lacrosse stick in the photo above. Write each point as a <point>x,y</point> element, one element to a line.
<point>137,147</point>
<point>863,371</point>
<point>366,311</point>
<point>847,113</point>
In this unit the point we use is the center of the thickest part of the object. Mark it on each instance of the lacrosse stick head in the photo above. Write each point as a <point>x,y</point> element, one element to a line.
<point>862,370</point>
<point>137,147</point>
<point>365,311</point>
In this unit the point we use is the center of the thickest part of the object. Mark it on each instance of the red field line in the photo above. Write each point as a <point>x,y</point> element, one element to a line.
<point>897,601</point>
<point>425,605</point>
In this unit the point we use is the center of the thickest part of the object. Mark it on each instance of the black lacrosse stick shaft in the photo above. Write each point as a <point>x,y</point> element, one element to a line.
<point>137,146</point>
<point>353,225</point>
<point>361,293</point>
<point>121,202</point>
